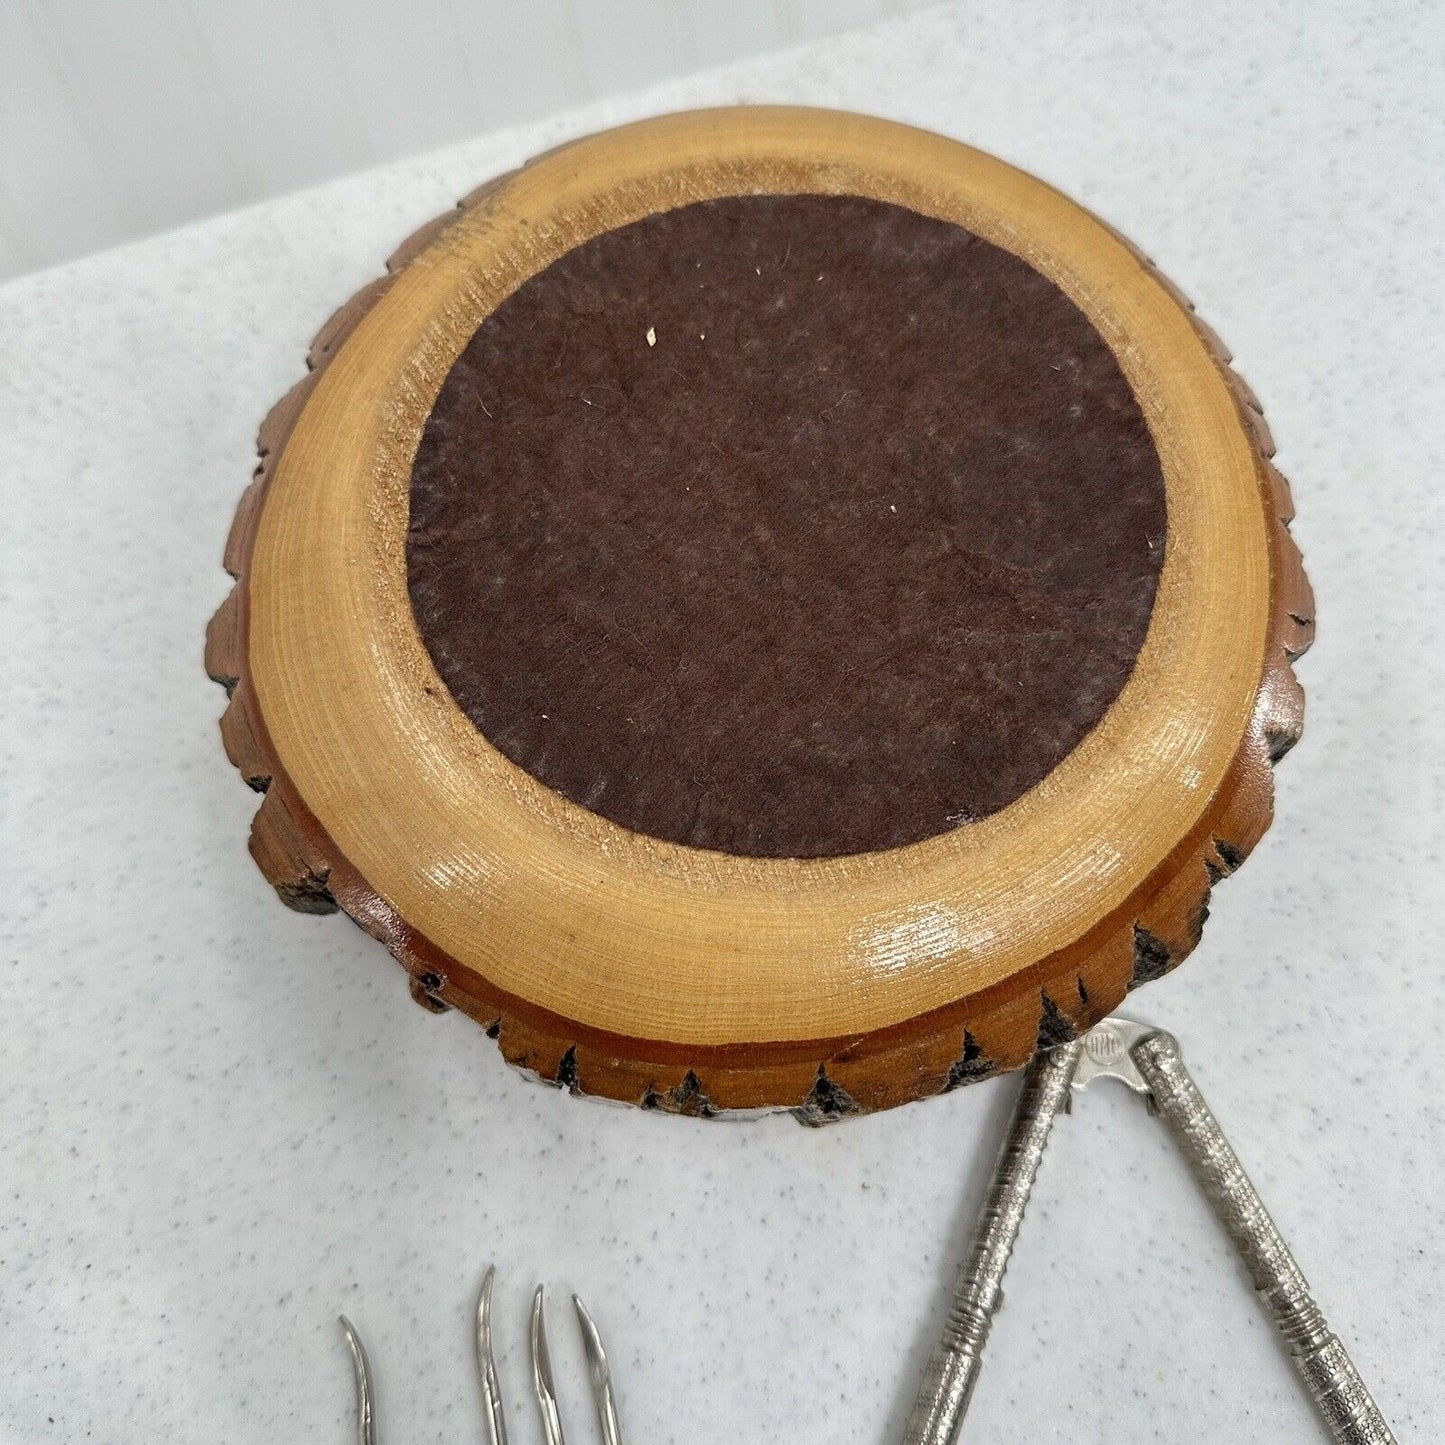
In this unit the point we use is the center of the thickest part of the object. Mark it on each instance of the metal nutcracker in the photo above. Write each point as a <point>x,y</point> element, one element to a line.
<point>1148,1061</point>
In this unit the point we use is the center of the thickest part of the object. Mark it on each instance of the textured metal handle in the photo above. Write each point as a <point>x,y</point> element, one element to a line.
<point>1318,1355</point>
<point>937,1414</point>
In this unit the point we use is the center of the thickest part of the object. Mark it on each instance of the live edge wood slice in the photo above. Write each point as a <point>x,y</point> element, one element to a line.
<point>765,608</point>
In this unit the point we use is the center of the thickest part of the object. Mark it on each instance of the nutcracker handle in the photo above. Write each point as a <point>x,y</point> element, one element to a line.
<point>952,1372</point>
<point>1327,1370</point>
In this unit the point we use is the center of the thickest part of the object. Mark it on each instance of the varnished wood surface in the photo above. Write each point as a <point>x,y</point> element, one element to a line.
<point>662,974</point>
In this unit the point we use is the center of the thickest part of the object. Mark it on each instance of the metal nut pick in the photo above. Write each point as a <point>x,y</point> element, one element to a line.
<point>542,1384</point>
<point>361,1366</point>
<point>598,1373</point>
<point>487,1365</point>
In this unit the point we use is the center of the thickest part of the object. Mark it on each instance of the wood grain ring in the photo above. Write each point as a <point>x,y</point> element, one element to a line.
<point>697,981</point>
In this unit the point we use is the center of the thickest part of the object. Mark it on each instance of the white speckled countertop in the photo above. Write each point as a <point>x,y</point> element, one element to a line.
<point>223,1122</point>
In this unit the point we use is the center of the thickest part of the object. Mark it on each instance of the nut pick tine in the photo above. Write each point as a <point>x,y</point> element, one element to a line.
<point>598,1373</point>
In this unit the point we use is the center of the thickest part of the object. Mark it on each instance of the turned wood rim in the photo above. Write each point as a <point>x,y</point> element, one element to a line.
<point>453,853</point>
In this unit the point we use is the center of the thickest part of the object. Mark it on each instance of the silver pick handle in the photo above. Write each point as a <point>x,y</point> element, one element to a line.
<point>952,1372</point>
<point>1327,1370</point>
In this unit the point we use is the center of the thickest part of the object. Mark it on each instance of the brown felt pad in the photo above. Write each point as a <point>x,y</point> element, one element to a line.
<point>857,551</point>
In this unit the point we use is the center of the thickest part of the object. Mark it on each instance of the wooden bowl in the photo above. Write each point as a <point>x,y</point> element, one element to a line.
<point>765,608</point>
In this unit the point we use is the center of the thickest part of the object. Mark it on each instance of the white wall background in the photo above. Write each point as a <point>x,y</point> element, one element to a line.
<point>123,117</point>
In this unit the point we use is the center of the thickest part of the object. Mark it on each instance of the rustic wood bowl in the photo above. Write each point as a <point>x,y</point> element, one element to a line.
<point>765,608</point>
